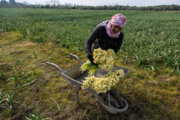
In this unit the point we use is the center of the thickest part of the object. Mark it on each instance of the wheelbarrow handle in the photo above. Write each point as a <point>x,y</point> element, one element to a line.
<point>76,57</point>
<point>60,70</point>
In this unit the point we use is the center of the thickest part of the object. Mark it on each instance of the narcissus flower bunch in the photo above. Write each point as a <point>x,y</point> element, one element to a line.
<point>114,77</point>
<point>103,84</point>
<point>105,59</point>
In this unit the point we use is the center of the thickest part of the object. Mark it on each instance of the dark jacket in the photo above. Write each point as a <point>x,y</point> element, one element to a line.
<point>101,39</point>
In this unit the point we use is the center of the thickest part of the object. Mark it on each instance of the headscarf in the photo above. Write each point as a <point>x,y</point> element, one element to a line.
<point>117,20</point>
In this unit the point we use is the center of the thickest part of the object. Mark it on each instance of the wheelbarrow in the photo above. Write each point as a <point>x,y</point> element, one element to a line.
<point>111,101</point>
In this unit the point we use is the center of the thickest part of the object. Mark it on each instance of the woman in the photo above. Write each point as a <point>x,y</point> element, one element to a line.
<point>107,35</point>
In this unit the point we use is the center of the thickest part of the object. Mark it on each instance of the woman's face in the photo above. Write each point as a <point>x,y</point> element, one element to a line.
<point>115,29</point>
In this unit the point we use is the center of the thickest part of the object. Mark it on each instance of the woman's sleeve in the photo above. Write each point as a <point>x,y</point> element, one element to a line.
<point>120,42</point>
<point>91,40</point>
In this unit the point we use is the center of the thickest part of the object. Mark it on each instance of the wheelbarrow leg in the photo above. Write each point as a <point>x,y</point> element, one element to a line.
<point>77,95</point>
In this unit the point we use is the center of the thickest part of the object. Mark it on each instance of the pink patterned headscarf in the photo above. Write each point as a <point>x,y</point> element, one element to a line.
<point>117,20</point>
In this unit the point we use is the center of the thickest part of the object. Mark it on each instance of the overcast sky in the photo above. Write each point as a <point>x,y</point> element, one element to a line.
<point>107,2</point>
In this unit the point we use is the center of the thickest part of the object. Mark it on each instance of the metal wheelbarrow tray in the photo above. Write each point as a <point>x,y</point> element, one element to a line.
<point>76,77</point>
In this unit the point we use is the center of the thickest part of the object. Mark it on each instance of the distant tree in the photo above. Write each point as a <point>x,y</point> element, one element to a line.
<point>3,1</point>
<point>12,2</point>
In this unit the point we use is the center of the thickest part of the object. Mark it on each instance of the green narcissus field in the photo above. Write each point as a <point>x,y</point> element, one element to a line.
<point>33,90</point>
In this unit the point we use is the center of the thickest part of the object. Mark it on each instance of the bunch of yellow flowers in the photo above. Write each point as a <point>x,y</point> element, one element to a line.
<point>103,84</point>
<point>105,59</point>
<point>115,76</point>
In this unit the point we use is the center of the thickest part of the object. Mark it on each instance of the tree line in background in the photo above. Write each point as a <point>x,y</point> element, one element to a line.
<point>56,4</point>
<point>5,2</point>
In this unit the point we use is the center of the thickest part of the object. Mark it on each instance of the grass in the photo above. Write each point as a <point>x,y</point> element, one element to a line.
<point>36,116</point>
<point>148,93</point>
<point>157,31</point>
<point>151,94</point>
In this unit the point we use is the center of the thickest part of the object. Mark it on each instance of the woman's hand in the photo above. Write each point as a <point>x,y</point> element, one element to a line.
<point>90,57</point>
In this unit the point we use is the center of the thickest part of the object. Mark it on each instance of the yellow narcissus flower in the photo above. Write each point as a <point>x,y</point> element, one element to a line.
<point>104,59</point>
<point>103,84</point>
